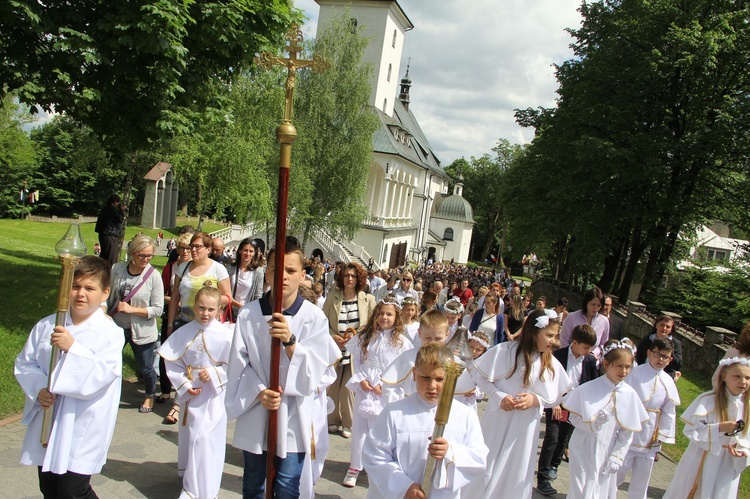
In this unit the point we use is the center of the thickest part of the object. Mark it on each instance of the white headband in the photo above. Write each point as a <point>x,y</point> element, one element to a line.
<point>479,340</point>
<point>542,321</point>
<point>618,345</point>
<point>734,360</point>
<point>457,310</point>
<point>394,303</point>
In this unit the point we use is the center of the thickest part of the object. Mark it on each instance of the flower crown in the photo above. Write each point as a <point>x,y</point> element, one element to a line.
<point>409,300</point>
<point>617,345</point>
<point>734,360</point>
<point>480,338</point>
<point>456,307</point>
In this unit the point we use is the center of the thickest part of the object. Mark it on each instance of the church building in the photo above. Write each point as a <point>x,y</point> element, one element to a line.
<point>412,216</point>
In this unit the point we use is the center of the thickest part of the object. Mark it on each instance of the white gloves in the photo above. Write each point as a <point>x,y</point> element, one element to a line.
<point>600,419</point>
<point>612,466</point>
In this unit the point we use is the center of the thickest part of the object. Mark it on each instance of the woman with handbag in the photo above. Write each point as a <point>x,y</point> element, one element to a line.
<point>189,278</point>
<point>176,258</point>
<point>136,300</point>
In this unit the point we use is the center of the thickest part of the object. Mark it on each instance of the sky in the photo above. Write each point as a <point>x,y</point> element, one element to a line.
<point>473,62</point>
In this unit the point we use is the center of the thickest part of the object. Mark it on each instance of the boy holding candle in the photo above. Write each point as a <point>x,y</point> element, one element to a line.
<point>398,445</point>
<point>84,387</point>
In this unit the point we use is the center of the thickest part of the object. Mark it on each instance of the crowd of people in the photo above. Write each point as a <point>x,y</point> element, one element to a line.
<point>362,359</point>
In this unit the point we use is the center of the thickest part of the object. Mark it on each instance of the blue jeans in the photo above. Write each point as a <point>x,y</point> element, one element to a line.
<point>288,472</point>
<point>144,361</point>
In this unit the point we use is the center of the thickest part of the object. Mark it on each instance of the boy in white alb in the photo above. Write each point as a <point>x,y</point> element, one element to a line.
<point>85,387</point>
<point>303,331</point>
<point>397,447</point>
<point>657,391</point>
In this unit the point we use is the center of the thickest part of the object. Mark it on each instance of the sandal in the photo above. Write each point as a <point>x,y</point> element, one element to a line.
<point>162,398</point>
<point>145,410</point>
<point>173,415</point>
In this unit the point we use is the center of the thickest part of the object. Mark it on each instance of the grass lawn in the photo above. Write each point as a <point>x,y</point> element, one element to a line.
<point>690,386</point>
<point>29,276</point>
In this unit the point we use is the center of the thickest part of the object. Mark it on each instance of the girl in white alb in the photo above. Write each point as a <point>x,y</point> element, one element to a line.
<point>409,317</point>
<point>605,413</point>
<point>520,379</point>
<point>376,347</point>
<point>453,311</point>
<point>196,357</point>
<point>716,424</point>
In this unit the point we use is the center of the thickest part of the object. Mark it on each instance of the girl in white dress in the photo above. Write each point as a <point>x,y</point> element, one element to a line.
<point>410,317</point>
<point>453,311</point>
<point>605,413</point>
<point>196,357</point>
<point>719,445</point>
<point>374,349</point>
<point>520,379</point>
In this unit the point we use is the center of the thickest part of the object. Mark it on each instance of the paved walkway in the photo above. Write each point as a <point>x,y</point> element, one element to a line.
<point>142,461</point>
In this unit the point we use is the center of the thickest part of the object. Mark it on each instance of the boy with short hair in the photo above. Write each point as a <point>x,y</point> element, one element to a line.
<point>85,386</point>
<point>658,392</point>
<point>580,365</point>
<point>397,447</point>
<point>397,378</point>
<point>307,352</point>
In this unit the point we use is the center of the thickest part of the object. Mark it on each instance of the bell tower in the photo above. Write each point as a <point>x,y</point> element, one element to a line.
<point>384,23</point>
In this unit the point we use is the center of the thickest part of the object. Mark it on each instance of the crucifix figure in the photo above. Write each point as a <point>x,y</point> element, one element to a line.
<point>292,63</point>
<point>286,133</point>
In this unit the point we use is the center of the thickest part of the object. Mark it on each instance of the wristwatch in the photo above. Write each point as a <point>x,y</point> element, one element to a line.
<point>292,341</point>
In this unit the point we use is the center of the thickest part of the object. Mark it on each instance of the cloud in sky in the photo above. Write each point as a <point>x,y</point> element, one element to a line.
<point>474,62</point>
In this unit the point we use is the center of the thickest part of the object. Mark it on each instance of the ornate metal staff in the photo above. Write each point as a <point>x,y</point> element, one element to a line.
<point>70,249</point>
<point>456,356</point>
<point>286,133</point>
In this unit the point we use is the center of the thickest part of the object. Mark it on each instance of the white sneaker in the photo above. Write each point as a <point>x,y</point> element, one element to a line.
<point>346,432</point>
<point>350,480</point>
<point>333,428</point>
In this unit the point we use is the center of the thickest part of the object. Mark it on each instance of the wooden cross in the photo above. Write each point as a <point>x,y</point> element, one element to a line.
<point>292,63</point>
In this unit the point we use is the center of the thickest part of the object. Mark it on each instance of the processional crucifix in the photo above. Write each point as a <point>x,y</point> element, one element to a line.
<point>285,134</point>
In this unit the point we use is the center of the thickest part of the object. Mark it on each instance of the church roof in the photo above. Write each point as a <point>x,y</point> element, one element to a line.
<point>453,207</point>
<point>402,136</point>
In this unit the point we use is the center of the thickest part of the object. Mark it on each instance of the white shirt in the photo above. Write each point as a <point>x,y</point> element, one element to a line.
<point>575,367</point>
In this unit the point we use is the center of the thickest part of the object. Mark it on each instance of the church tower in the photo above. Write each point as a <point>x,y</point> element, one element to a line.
<point>384,24</point>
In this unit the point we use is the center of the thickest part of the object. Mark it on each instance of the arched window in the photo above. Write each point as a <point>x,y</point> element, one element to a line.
<point>393,42</point>
<point>390,68</point>
<point>385,252</point>
<point>385,104</point>
<point>448,235</point>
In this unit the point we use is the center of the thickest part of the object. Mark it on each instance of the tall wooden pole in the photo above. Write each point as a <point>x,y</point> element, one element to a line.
<point>286,133</point>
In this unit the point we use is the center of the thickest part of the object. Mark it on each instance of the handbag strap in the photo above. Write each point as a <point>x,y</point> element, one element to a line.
<point>133,291</point>
<point>227,315</point>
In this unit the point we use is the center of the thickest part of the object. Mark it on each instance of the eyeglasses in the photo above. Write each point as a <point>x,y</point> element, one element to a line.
<point>183,248</point>
<point>197,246</point>
<point>144,256</point>
<point>661,356</point>
<point>406,280</point>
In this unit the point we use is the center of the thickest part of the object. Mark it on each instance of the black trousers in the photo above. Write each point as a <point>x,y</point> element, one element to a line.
<point>166,385</point>
<point>110,250</point>
<point>556,438</point>
<point>68,486</point>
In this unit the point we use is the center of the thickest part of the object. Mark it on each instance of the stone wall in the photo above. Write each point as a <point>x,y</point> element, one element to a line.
<point>701,350</point>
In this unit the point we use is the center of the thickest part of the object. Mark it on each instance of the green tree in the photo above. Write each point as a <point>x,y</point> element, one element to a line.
<point>332,154</point>
<point>76,174</point>
<point>649,134</point>
<point>18,159</point>
<point>484,181</point>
